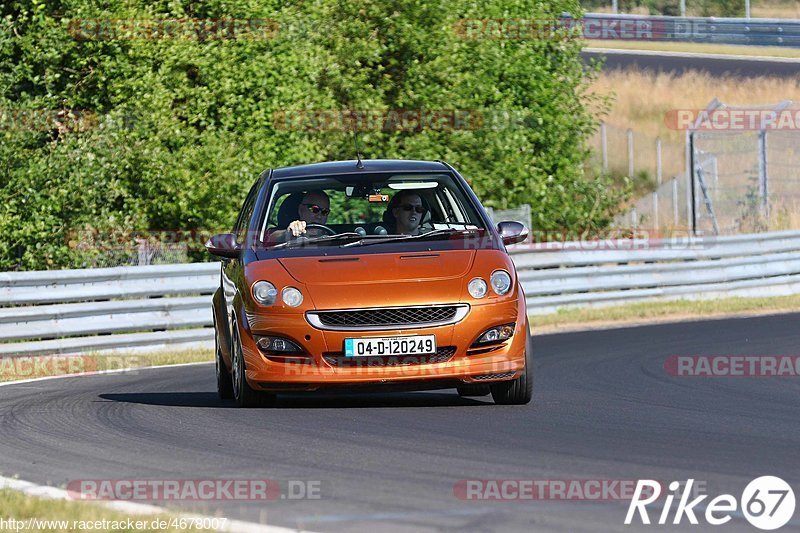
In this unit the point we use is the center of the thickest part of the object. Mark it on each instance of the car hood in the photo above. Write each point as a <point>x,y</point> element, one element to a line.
<point>376,280</point>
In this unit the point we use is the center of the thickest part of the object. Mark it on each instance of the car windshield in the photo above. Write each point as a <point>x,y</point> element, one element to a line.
<point>359,210</point>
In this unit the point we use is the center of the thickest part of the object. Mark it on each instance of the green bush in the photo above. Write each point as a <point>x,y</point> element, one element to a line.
<point>174,131</point>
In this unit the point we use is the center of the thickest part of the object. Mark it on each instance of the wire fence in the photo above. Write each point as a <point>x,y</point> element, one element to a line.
<point>744,176</point>
<point>657,168</point>
<point>141,253</point>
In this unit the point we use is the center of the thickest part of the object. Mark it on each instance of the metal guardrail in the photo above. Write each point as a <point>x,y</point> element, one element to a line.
<point>756,32</point>
<point>597,273</point>
<point>75,311</point>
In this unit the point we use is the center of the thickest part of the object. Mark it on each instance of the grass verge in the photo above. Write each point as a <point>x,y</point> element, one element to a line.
<point>697,48</point>
<point>35,514</point>
<point>654,312</point>
<point>29,367</point>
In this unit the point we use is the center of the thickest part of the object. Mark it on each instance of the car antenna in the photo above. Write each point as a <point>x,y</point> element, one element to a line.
<point>359,163</point>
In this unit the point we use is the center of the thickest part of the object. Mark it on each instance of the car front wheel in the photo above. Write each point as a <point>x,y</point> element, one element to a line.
<point>518,391</point>
<point>244,395</point>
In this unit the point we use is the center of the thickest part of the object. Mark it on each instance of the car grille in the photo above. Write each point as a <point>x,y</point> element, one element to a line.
<point>388,317</point>
<point>338,359</point>
<point>489,377</point>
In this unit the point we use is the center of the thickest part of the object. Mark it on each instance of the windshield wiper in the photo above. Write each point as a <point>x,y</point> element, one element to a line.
<point>394,238</point>
<point>325,239</point>
<point>443,231</point>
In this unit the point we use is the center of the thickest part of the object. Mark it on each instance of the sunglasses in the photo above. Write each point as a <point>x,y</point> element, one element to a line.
<point>409,207</point>
<point>314,208</point>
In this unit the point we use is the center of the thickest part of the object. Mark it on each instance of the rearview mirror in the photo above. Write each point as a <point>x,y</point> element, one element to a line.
<point>224,245</point>
<point>512,232</point>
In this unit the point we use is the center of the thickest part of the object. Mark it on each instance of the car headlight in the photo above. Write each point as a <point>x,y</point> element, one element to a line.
<point>264,292</point>
<point>477,288</point>
<point>501,282</point>
<point>292,297</point>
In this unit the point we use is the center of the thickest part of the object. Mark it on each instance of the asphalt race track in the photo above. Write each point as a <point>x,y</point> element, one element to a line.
<point>604,408</point>
<point>679,63</point>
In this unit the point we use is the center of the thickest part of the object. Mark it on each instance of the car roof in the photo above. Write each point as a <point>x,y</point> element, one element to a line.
<point>349,167</point>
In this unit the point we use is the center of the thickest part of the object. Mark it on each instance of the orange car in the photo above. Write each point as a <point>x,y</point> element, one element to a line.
<point>373,275</point>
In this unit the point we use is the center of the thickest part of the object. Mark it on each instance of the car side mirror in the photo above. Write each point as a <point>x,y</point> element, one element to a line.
<point>512,232</point>
<point>224,245</point>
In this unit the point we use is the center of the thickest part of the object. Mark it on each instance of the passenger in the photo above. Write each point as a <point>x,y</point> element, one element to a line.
<point>408,212</point>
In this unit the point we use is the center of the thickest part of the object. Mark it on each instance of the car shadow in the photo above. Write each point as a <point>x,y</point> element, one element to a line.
<point>304,401</point>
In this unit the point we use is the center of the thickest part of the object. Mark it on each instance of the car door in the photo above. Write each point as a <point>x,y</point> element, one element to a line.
<point>232,268</point>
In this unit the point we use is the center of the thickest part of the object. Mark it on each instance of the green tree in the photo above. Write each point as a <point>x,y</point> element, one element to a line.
<point>183,127</point>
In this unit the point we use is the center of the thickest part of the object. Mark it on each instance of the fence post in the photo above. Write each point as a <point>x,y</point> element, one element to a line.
<point>630,153</point>
<point>615,6</point>
<point>683,8</point>
<point>604,145</point>
<point>690,214</point>
<point>658,183</point>
<point>143,252</point>
<point>674,202</point>
<point>763,181</point>
<point>746,9</point>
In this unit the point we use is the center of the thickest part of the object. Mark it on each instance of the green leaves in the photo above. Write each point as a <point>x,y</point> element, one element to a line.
<point>183,127</point>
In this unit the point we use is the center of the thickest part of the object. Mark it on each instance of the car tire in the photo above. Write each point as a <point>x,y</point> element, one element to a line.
<point>244,395</point>
<point>517,391</point>
<point>224,380</point>
<point>473,390</point>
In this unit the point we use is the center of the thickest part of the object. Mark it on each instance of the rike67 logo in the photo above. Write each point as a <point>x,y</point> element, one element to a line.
<point>767,503</point>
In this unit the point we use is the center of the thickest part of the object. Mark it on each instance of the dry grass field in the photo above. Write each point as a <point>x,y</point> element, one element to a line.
<point>640,101</point>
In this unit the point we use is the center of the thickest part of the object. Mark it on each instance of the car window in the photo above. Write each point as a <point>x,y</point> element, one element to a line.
<point>245,214</point>
<point>365,204</point>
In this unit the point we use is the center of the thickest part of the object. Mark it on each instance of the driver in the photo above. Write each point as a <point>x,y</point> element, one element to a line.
<point>314,208</point>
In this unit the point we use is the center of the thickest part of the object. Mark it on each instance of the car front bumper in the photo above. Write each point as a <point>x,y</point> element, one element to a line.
<point>324,348</point>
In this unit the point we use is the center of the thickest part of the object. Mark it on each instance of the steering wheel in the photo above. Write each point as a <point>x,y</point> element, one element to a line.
<point>322,227</point>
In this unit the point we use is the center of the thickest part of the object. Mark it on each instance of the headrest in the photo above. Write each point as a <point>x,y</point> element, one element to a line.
<point>287,212</point>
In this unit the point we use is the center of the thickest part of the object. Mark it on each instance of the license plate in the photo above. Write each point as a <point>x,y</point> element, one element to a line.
<point>374,346</point>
